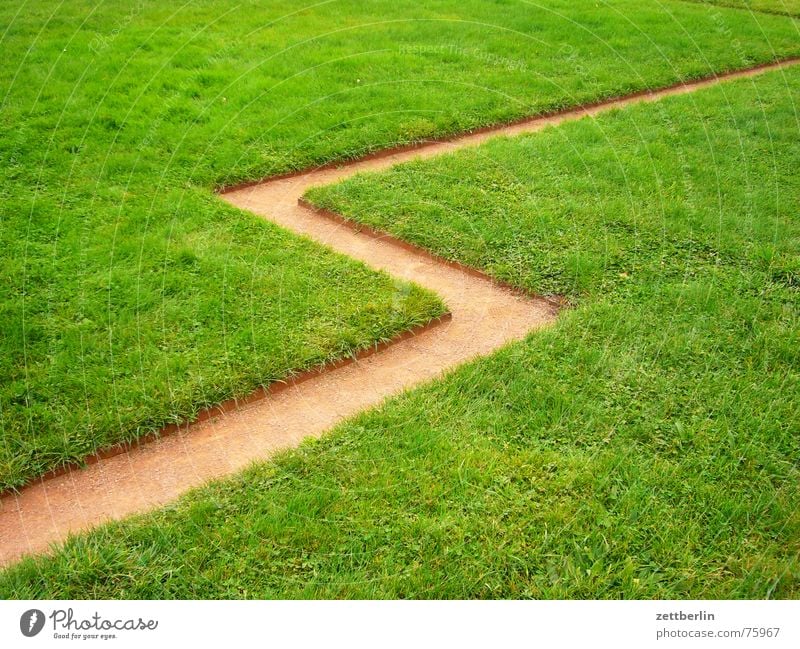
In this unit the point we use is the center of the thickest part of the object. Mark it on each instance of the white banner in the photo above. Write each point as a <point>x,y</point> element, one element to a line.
<point>374,625</point>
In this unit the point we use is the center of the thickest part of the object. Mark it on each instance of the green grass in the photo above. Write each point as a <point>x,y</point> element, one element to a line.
<point>644,446</point>
<point>131,297</point>
<point>782,7</point>
<point>590,208</point>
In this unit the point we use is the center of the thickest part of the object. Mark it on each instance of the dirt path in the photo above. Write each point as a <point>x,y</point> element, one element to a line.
<point>485,316</point>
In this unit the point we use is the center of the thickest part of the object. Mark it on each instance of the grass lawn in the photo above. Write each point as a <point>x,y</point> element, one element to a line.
<point>645,446</point>
<point>132,297</point>
<point>787,7</point>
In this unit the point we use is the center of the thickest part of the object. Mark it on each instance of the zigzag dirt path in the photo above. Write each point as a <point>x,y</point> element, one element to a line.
<point>485,316</point>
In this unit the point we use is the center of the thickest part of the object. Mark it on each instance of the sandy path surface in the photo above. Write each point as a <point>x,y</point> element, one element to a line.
<point>485,316</point>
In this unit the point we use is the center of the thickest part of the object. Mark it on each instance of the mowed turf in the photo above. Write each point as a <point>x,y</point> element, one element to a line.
<point>131,297</point>
<point>645,446</point>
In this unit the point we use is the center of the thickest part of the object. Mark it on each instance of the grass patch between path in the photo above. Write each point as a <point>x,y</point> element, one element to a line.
<point>645,446</point>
